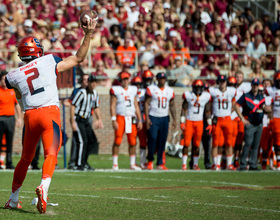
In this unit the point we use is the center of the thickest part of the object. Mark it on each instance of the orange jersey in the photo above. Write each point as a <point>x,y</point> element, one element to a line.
<point>126,55</point>
<point>185,51</point>
<point>7,102</point>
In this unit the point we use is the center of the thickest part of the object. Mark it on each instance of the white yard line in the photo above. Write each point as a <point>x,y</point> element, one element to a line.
<point>160,201</point>
<point>182,180</point>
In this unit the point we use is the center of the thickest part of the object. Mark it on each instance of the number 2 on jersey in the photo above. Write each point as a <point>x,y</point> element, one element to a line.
<point>29,81</point>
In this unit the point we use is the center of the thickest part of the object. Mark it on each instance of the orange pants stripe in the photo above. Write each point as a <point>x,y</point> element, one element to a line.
<point>131,138</point>
<point>266,139</point>
<point>234,130</point>
<point>276,130</point>
<point>193,131</point>
<point>142,135</point>
<point>223,127</point>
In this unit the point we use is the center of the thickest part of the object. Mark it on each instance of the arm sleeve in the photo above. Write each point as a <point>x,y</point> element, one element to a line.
<point>148,92</point>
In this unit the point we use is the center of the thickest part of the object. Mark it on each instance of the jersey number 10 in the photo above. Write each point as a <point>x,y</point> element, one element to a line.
<point>162,102</point>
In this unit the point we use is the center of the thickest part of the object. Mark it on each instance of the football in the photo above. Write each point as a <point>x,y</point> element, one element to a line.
<point>86,15</point>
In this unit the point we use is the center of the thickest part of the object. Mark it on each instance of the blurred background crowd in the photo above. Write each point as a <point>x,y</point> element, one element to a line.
<point>180,36</point>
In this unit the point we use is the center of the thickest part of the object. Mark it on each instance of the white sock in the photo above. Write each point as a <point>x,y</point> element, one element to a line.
<point>219,156</point>
<point>2,157</point>
<point>229,160</point>
<point>14,196</point>
<point>132,160</point>
<point>278,158</point>
<point>195,160</point>
<point>271,162</point>
<point>184,159</point>
<point>214,160</point>
<point>142,156</point>
<point>236,158</point>
<point>115,159</point>
<point>46,183</point>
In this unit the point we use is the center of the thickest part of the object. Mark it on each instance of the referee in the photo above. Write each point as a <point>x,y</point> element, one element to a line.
<point>80,112</point>
<point>254,105</point>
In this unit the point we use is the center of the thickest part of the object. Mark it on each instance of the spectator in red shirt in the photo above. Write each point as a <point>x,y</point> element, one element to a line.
<point>141,25</point>
<point>59,17</point>
<point>122,16</point>
<point>197,45</point>
<point>46,14</point>
<point>178,28</point>
<point>220,6</point>
<point>125,53</point>
<point>102,77</point>
<point>108,57</point>
<point>104,31</point>
<point>267,35</point>
<point>210,71</point>
<point>72,11</point>
<point>214,26</point>
<point>165,59</point>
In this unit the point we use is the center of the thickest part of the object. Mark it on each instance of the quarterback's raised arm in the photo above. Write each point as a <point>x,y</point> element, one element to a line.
<point>71,61</point>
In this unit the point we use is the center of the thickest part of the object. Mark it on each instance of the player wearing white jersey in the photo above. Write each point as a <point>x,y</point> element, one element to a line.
<point>274,92</point>
<point>124,110</point>
<point>35,85</point>
<point>159,99</point>
<point>222,98</point>
<point>192,120</point>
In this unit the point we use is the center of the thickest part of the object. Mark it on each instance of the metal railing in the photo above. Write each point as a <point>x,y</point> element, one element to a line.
<point>13,64</point>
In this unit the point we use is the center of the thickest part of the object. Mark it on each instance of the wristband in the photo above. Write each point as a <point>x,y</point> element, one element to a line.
<point>114,118</point>
<point>183,119</point>
<point>209,121</point>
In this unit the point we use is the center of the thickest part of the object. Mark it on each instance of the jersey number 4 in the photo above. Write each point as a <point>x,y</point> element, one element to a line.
<point>29,81</point>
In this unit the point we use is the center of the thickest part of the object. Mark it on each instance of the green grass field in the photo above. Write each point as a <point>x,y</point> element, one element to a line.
<point>173,194</point>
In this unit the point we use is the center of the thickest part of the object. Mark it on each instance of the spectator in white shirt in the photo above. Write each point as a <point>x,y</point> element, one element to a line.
<point>133,14</point>
<point>256,50</point>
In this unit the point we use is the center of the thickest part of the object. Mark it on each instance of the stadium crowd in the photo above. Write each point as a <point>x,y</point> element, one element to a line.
<point>164,33</point>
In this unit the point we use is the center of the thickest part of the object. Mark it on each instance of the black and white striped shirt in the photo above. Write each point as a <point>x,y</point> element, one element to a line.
<point>84,101</point>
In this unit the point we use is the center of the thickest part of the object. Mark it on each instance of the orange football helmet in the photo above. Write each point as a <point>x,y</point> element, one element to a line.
<point>136,80</point>
<point>147,74</point>
<point>197,82</point>
<point>197,87</point>
<point>30,48</point>
<point>232,81</point>
<point>277,79</point>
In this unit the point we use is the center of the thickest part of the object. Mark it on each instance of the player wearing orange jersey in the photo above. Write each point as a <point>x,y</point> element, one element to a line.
<point>192,111</point>
<point>274,92</point>
<point>124,109</point>
<point>147,78</point>
<point>222,98</point>
<point>37,93</point>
